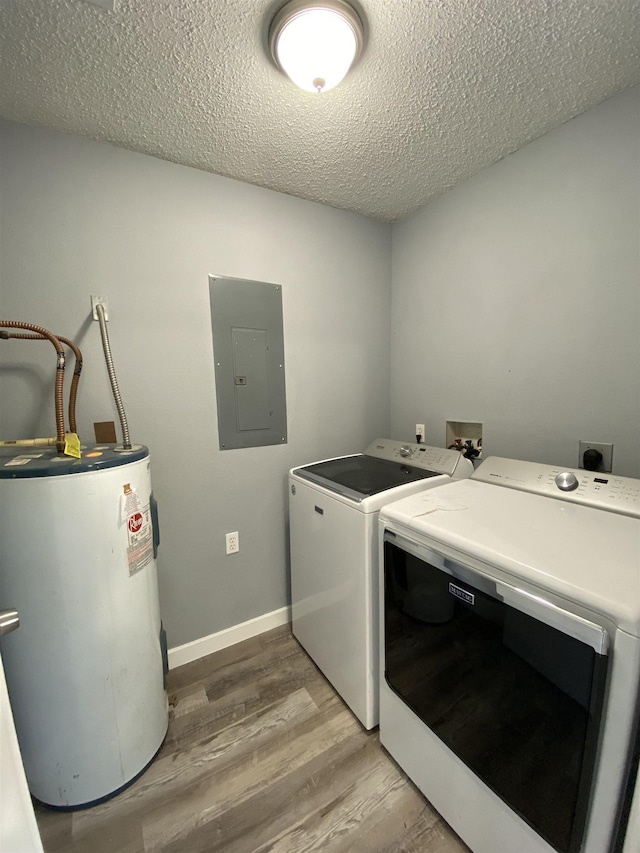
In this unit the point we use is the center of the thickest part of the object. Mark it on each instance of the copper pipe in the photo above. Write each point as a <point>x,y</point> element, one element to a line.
<point>30,442</point>
<point>59,383</point>
<point>75,379</point>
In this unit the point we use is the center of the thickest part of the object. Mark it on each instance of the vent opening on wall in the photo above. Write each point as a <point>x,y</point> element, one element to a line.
<point>248,351</point>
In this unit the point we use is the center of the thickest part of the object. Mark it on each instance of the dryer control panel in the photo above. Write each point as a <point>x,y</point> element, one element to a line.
<point>589,488</point>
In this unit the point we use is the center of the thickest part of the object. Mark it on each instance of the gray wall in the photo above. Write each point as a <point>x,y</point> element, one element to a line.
<point>81,218</point>
<point>516,298</point>
<point>516,302</point>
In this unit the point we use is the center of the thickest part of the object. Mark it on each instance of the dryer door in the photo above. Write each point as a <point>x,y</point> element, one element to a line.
<point>511,684</point>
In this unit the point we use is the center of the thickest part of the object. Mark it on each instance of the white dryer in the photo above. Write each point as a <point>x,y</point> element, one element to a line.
<point>510,655</point>
<point>630,831</point>
<point>333,509</point>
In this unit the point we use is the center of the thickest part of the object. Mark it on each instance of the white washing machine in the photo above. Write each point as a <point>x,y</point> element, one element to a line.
<point>510,655</point>
<point>333,509</point>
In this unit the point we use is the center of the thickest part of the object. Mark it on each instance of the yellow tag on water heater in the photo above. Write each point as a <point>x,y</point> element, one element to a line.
<point>72,445</point>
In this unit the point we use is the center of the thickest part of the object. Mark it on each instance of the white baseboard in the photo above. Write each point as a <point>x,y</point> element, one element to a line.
<point>229,637</point>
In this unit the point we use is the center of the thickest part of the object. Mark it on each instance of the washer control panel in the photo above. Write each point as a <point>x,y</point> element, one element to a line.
<point>602,491</point>
<point>422,456</point>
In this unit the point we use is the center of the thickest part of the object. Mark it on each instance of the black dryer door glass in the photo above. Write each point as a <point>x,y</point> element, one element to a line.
<point>518,701</point>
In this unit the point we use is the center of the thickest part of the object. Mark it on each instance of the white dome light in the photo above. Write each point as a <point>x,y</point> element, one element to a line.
<point>315,44</point>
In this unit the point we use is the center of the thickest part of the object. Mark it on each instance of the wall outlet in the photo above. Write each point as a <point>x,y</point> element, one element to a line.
<point>420,432</point>
<point>99,300</point>
<point>233,543</point>
<point>605,449</point>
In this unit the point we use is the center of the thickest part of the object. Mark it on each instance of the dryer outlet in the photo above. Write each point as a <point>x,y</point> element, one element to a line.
<point>606,450</point>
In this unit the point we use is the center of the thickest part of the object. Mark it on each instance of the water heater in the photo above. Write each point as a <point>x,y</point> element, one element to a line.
<point>85,671</point>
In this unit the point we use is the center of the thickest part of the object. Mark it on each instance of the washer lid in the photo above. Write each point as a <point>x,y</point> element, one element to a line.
<point>587,555</point>
<point>360,476</point>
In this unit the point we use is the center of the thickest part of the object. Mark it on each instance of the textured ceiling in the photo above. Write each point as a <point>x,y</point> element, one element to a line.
<point>444,87</point>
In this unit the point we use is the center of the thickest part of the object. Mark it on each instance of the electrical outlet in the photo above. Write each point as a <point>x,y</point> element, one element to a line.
<point>99,300</point>
<point>233,543</point>
<point>420,432</point>
<point>605,449</point>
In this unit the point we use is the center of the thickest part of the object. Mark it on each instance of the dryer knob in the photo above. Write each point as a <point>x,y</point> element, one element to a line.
<point>405,450</point>
<point>567,482</point>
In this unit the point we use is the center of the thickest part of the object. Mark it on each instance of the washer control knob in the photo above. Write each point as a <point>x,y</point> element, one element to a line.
<point>566,481</point>
<point>405,450</point>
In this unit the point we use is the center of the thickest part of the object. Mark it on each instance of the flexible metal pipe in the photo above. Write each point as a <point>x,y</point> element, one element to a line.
<point>126,441</point>
<point>59,383</point>
<point>75,379</point>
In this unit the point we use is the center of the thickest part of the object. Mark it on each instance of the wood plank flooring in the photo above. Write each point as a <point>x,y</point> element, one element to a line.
<point>261,755</point>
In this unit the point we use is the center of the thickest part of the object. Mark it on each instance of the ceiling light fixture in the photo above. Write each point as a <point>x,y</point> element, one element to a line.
<point>315,44</point>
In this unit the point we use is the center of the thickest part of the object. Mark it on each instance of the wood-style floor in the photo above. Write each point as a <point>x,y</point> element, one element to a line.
<point>261,755</point>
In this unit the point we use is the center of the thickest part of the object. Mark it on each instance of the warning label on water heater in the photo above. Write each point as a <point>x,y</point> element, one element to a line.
<point>140,540</point>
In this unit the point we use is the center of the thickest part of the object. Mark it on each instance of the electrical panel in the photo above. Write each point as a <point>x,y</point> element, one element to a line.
<point>248,351</point>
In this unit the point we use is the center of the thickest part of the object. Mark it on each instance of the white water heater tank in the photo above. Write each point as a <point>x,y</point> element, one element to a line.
<point>85,670</point>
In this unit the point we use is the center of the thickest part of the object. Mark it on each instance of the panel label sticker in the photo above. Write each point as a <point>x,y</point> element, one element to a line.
<point>140,540</point>
<point>129,502</point>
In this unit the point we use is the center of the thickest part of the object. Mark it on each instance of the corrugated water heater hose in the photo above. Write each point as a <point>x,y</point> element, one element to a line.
<point>75,379</point>
<point>59,384</point>
<point>126,441</point>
